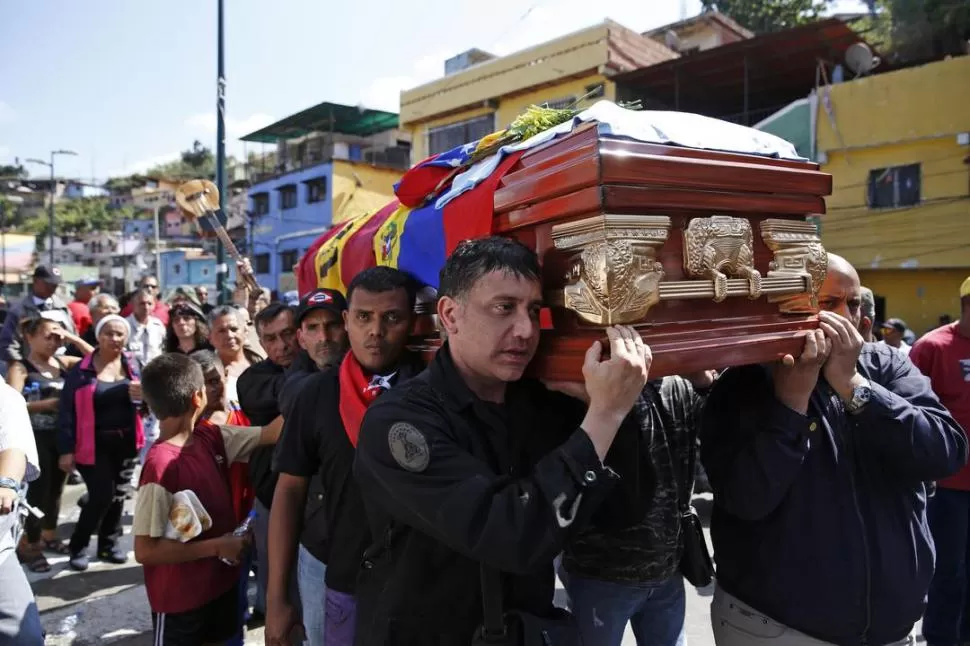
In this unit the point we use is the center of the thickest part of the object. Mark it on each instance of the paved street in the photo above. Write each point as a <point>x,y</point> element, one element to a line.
<point>107,604</point>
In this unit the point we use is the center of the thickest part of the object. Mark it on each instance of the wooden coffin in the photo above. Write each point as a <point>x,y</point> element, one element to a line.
<point>707,253</point>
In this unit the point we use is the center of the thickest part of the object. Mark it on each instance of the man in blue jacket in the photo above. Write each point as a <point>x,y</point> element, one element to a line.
<point>818,467</point>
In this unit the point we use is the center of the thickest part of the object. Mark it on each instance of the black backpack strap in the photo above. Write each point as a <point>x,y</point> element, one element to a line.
<point>493,614</point>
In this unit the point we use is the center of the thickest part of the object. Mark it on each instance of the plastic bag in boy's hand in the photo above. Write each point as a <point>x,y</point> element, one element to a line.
<point>187,518</point>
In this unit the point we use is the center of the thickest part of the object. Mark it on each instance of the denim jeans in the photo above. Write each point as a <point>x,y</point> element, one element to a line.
<point>239,638</point>
<point>260,553</point>
<point>603,608</point>
<point>19,618</point>
<point>946,621</point>
<point>313,596</point>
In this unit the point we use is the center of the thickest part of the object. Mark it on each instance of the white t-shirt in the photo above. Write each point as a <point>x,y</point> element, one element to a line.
<point>15,429</point>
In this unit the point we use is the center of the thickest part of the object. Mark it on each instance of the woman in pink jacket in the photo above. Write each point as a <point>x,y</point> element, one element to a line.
<point>100,433</point>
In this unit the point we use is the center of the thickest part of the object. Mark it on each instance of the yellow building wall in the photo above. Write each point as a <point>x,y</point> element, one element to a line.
<point>917,297</point>
<point>351,200</point>
<point>534,67</point>
<point>510,107</point>
<point>914,256</point>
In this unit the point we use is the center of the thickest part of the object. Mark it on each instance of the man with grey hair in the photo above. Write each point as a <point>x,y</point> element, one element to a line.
<point>867,309</point>
<point>227,334</point>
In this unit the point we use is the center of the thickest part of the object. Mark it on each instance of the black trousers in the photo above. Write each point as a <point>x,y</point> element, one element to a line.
<point>109,482</point>
<point>44,493</point>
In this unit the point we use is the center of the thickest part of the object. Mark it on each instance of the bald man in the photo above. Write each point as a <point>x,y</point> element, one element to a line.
<point>868,314</point>
<point>817,464</point>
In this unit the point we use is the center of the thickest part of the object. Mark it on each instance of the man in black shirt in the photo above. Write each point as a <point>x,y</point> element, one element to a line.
<point>469,465</point>
<point>258,389</point>
<point>316,455</point>
<point>322,336</point>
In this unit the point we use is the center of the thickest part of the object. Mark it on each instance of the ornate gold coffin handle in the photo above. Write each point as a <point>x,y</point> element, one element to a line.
<point>615,277</point>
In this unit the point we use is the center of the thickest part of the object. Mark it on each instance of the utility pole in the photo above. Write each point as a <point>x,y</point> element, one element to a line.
<point>222,271</point>
<point>50,205</point>
<point>158,256</point>
<point>124,256</point>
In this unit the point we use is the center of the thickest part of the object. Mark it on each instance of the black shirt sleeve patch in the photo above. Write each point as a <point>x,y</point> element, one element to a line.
<point>409,447</point>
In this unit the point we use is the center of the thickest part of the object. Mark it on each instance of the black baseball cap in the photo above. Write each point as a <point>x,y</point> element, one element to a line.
<point>897,324</point>
<point>321,299</point>
<point>51,276</point>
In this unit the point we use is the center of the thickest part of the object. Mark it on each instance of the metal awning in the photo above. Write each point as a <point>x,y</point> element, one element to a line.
<point>745,80</point>
<point>327,117</point>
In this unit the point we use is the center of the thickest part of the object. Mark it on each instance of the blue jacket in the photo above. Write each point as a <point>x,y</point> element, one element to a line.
<point>819,520</point>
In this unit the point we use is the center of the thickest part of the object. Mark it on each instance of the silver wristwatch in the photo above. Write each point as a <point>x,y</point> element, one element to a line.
<point>861,395</point>
<point>9,483</point>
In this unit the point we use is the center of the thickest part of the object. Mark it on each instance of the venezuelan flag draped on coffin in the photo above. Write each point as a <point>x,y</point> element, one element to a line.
<point>622,206</point>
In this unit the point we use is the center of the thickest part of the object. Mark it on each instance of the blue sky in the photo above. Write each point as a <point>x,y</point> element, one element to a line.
<point>129,83</point>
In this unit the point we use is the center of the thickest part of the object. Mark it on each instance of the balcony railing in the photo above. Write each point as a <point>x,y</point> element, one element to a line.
<point>306,155</point>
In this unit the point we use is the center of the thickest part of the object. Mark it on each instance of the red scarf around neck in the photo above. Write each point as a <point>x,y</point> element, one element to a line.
<point>356,394</point>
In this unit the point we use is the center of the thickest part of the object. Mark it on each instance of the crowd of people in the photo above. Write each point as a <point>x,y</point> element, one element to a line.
<point>385,499</point>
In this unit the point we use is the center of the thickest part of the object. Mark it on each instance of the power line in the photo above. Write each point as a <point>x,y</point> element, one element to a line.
<point>921,162</point>
<point>881,213</point>
<point>925,253</point>
<point>898,241</point>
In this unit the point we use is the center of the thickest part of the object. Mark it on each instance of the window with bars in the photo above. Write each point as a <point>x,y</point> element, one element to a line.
<point>560,104</point>
<point>445,138</point>
<point>288,259</point>
<point>316,190</point>
<point>261,203</point>
<point>287,197</point>
<point>894,186</point>
<point>261,263</point>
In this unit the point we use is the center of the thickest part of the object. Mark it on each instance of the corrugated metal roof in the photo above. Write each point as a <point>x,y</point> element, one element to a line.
<point>327,117</point>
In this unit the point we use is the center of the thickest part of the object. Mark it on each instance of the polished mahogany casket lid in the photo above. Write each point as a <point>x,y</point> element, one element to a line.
<point>709,254</point>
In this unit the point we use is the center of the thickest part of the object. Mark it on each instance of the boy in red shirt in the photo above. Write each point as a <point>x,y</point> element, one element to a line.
<point>192,592</point>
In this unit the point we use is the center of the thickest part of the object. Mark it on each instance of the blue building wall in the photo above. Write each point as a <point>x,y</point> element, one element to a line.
<point>77,191</point>
<point>178,270</point>
<point>139,228</point>
<point>280,232</point>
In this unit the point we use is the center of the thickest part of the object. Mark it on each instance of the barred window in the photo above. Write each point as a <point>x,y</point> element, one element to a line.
<point>445,138</point>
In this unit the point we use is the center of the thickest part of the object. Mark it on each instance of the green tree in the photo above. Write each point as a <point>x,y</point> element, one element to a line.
<point>12,171</point>
<point>198,157</point>
<point>79,216</point>
<point>197,161</point>
<point>908,31</point>
<point>764,16</point>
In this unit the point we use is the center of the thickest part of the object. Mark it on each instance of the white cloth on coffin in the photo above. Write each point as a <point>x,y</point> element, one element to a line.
<point>658,127</point>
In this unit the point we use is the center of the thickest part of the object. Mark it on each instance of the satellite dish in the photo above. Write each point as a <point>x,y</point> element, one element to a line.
<point>672,40</point>
<point>859,59</point>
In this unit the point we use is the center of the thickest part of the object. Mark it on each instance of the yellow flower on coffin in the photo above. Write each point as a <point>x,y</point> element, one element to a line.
<point>489,140</point>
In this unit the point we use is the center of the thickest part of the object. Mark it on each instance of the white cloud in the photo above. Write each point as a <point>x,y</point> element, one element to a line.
<point>235,128</point>
<point>521,29</point>
<point>384,93</point>
<point>7,113</point>
<point>4,151</point>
